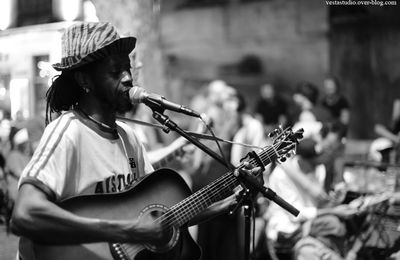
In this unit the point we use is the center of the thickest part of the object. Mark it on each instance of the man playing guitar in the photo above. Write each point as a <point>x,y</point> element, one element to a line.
<point>86,151</point>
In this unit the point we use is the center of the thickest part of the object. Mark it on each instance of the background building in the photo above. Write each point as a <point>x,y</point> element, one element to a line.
<point>29,43</point>
<point>184,44</point>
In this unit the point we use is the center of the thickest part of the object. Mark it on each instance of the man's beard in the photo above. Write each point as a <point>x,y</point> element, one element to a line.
<point>124,103</point>
<point>120,103</point>
<point>124,107</point>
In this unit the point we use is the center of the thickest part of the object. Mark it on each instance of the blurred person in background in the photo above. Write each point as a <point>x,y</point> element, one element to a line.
<point>19,120</point>
<point>250,130</point>
<point>335,102</point>
<point>386,148</point>
<point>220,237</point>
<point>271,109</point>
<point>215,103</point>
<point>251,134</point>
<point>318,123</point>
<point>3,190</point>
<point>86,151</point>
<point>300,182</point>
<point>5,130</point>
<point>306,96</point>
<point>36,124</point>
<point>311,116</point>
<point>332,143</point>
<point>14,162</point>
<point>17,159</point>
<point>5,147</point>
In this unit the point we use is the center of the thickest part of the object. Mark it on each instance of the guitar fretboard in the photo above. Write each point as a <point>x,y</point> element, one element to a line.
<point>217,190</point>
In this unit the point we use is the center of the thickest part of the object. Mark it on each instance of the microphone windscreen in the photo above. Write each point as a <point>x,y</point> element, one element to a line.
<point>136,94</point>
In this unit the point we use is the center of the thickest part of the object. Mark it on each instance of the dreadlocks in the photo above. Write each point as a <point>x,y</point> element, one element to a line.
<point>63,94</point>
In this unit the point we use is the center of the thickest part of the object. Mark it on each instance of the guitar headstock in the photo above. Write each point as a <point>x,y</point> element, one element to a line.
<point>285,142</point>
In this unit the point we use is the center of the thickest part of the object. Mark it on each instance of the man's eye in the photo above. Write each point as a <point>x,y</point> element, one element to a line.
<point>116,72</point>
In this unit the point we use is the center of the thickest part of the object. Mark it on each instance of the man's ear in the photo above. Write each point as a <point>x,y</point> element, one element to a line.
<point>83,80</point>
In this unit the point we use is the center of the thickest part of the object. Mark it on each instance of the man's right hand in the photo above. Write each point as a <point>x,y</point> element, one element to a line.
<point>147,230</point>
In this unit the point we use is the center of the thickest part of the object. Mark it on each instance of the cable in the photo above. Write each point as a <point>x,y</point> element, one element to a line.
<point>227,163</point>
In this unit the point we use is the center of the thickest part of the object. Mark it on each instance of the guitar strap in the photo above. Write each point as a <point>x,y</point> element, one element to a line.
<point>129,152</point>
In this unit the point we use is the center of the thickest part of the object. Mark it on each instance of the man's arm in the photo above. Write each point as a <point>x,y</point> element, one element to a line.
<point>216,209</point>
<point>39,219</point>
<point>384,132</point>
<point>314,189</point>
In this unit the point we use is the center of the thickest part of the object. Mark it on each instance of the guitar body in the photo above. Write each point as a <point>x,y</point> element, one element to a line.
<point>161,196</point>
<point>157,191</point>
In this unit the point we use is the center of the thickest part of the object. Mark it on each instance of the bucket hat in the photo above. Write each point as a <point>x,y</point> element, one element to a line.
<point>85,42</point>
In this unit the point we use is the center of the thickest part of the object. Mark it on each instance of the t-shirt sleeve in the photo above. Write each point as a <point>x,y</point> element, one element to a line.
<point>49,167</point>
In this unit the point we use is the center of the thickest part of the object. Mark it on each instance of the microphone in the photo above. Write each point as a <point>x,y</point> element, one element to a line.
<point>139,95</point>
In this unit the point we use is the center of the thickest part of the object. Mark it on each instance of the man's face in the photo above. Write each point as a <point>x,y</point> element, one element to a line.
<point>112,81</point>
<point>267,91</point>
<point>329,87</point>
<point>301,101</point>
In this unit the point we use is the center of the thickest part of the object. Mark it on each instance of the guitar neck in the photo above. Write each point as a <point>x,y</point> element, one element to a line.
<point>203,198</point>
<point>213,192</point>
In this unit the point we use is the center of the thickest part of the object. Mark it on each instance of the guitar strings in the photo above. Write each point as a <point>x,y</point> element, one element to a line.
<point>129,249</point>
<point>229,175</point>
<point>213,190</point>
<point>214,185</point>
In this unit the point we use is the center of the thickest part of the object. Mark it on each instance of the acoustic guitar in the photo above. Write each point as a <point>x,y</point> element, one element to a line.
<point>161,196</point>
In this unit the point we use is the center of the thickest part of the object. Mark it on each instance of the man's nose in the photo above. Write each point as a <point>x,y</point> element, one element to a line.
<point>126,78</point>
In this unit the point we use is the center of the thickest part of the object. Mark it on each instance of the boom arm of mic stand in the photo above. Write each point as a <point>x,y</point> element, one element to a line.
<point>268,193</point>
<point>164,120</point>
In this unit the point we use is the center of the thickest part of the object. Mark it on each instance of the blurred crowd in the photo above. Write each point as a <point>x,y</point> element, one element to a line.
<point>312,180</point>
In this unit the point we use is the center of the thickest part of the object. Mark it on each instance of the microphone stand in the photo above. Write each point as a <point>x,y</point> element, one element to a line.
<point>171,125</point>
<point>247,203</point>
<point>248,181</point>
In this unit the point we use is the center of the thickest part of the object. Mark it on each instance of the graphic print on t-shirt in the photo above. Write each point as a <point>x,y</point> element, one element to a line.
<point>118,182</point>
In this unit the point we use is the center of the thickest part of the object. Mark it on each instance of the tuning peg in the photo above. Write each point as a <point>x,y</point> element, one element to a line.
<point>274,132</point>
<point>299,134</point>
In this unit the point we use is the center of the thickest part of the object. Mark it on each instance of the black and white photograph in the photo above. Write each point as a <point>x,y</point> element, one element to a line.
<point>199,129</point>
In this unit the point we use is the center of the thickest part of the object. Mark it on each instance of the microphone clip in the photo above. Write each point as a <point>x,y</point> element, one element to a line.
<point>155,106</point>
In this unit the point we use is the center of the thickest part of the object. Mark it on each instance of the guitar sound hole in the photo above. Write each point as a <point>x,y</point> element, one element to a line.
<point>171,233</point>
<point>168,231</point>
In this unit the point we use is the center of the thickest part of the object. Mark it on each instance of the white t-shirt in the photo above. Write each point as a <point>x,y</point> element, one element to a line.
<point>280,220</point>
<point>76,157</point>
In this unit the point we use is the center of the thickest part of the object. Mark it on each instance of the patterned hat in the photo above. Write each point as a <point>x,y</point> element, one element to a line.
<point>86,42</point>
